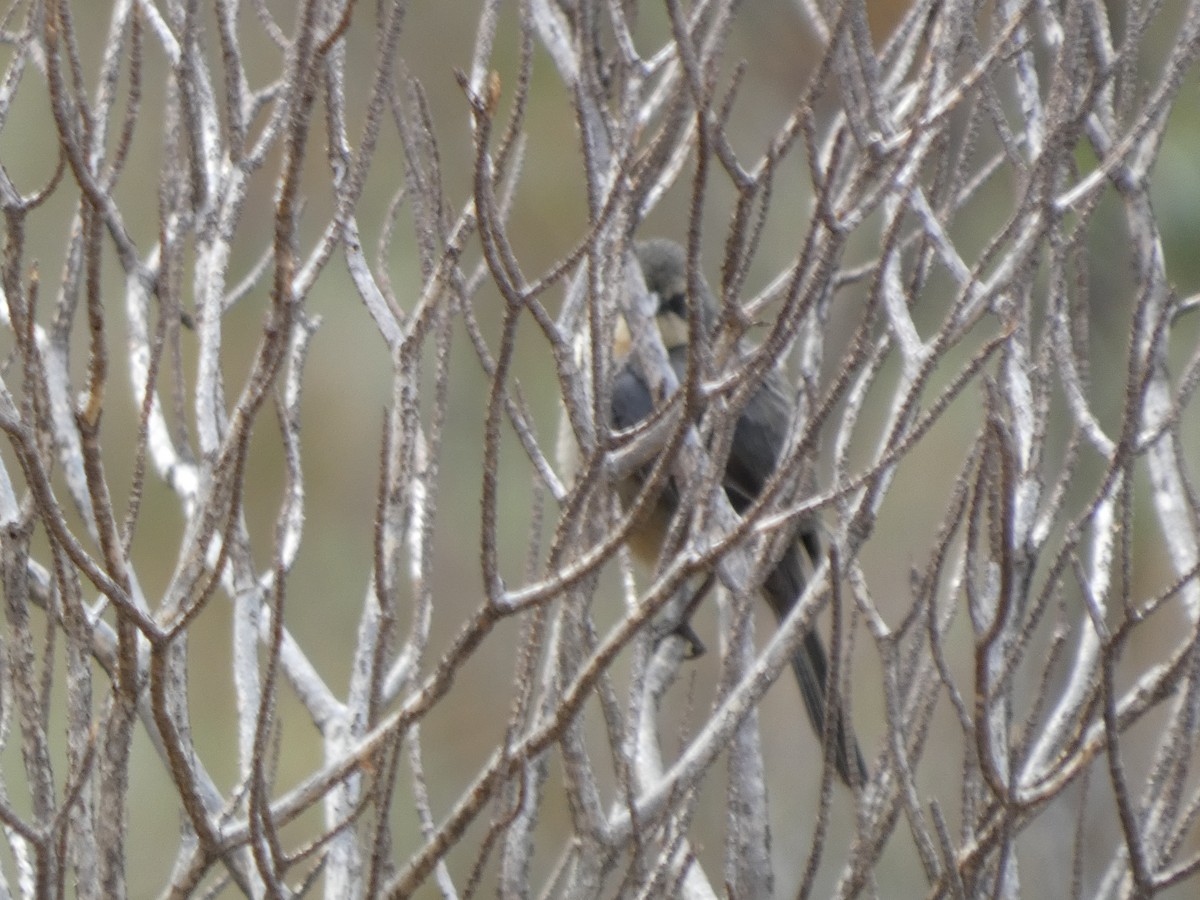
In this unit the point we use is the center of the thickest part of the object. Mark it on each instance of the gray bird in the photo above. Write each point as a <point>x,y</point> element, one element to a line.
<point>758,440</point>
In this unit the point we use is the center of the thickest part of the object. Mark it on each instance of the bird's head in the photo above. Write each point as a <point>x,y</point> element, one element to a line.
<point>664,269</point>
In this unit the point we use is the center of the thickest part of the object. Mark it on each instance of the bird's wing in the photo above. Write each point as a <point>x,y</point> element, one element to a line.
<point>758,439</point>
<point>629,404</point>
<point>758,435</point>
<point>631,401</point>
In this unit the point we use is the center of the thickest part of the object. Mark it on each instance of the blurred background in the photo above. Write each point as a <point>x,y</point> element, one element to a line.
<point>348,388</point>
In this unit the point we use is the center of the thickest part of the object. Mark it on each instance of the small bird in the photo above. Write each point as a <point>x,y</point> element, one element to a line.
<point>758,440</point>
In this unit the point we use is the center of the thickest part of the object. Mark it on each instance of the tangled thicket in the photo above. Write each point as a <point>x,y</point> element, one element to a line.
<point>945,235</point>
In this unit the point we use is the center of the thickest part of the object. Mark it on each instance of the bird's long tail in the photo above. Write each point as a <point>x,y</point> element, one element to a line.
<point>811,665</point>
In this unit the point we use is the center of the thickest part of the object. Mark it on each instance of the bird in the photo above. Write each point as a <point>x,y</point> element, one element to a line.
<point>757,443</point>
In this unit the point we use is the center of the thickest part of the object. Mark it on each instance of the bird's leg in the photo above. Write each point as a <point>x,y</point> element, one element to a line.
<point>683,627</point>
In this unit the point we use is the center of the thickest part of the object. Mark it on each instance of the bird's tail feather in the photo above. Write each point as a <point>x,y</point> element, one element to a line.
<point>811,666</point>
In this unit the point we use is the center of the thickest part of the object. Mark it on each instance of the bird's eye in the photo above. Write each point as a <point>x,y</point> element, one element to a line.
<point>676,304</point>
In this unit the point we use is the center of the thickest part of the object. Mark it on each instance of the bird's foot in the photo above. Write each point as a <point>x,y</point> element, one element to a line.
<point>683,627</point>
<point>683,630</point>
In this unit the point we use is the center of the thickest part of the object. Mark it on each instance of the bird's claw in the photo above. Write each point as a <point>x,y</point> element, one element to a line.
<point>694,648</point>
